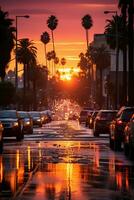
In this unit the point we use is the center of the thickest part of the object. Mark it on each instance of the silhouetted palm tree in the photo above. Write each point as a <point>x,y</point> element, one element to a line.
<point>45,38</point>
<point>26,54</point>
<point>123,6</point>
<point>52,23</point>
<point>101,57</point>
<point>130,51</point>
<point>6,41</point>
<point>63,61</point>
<point>115,28</point>
<point>87,23</point>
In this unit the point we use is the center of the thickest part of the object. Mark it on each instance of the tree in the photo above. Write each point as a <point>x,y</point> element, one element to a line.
<point>63,61</point>
<point>123,6</point>
<point>52,23</point>
<point>115,31</point>
<point>130,52</point>
<point>101,57</point>
<point>45,38</point>
<point>6,41</point>
<point>84,64</point>
<point>87,23</point>
<point>26,54</point>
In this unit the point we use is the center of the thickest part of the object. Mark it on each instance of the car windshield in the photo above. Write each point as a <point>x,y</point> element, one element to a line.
<point>127,114</point>
<point>23,115</point>
<point>8,114</point>
<point>108,115</point>
<point>34,114</point>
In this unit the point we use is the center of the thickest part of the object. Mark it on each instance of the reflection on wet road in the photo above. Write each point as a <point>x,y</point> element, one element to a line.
<point>64,169</point>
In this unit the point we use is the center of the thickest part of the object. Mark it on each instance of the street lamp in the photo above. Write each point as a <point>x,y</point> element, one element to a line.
<point>16,61</point>
<point>117,52</point>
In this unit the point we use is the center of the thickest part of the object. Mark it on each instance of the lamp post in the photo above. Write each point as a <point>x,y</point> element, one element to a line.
<point>16,60</point>
<point>117,61</point>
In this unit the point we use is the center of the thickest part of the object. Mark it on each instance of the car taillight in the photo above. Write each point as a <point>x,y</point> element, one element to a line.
<point>119,122</point>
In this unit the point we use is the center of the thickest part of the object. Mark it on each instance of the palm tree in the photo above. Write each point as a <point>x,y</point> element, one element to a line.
<point>26,54</point>
<point>87,23</point>
<point>115,28</point>
<point>63,61</point>
<point>123,6</point>
<point>101,57</point>
<point>130,51</point>
<point>45,38</point>
<point>6,41</point>
<point>52,23</point>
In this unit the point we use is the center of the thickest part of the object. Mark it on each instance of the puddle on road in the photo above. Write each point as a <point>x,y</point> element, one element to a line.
<point>67,170</point>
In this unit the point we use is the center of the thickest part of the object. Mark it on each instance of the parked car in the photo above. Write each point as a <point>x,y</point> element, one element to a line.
<point>92,118</point>
<point>1,137</point>
<point>88,117</point>
<point>129,138</point>
<point>28,122</point>
<point>83,116</point>
<point>117,127</point>
<point>102,121</point>
<point>12,123</point>
<point>37,119</point>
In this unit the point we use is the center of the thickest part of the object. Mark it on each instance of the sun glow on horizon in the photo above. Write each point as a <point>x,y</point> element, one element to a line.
<point>67,73</point>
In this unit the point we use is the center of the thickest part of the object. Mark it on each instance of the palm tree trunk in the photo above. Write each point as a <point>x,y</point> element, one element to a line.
<point>124,80</point>
<point>101,100</point>
<point>117,79</point>
<point>53,41</point>
<point>87,37</point>
<point>45,49</point>
<point>130,54</point>
<point>24,87</point>
<point>53,50</point>
<point>34,95</point>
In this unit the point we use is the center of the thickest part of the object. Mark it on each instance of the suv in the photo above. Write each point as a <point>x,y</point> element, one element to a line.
<point>1,137</point>
<point>12,123</point>
<point>117,127</point>
<point>83,116</point>
<point>102,121</point>
<point>129,138</point>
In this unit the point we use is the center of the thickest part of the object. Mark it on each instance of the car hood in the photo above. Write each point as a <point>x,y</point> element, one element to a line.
<point>8,120</point>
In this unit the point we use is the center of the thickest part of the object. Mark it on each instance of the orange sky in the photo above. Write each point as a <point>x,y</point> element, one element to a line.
<point>69,35</point>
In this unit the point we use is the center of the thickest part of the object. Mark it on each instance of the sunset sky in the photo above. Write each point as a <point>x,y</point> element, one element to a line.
<point>69,34</point>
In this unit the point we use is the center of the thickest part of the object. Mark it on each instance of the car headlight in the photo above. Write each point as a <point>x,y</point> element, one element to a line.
<point>27,123</point>
<point>15,124</point>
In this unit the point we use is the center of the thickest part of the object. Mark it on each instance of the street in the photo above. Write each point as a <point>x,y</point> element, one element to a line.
<point>63,161</point>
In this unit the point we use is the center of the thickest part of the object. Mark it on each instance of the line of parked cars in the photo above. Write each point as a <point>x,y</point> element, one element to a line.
<point>15,123</point>
<point>119,124</point>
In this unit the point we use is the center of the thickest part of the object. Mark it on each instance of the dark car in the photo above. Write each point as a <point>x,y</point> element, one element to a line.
<point>102,121</point>
<point>88,117</point>
<point>1,137</point>
<point>129,138</point>
<point>37,118</point>
<point>83,116</point>
<point>117,127</point>
<point>12,123</point>
<point>92,118</point>
<point>28,122</point>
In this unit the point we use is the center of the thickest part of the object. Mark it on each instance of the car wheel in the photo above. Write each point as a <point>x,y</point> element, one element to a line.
<point>1,146</point>
<point>117,145</point>
<point>95,133</point>
<point>20,136</point>
<point>126,149</point>
<point>111,144</point>
<point>131,152</point>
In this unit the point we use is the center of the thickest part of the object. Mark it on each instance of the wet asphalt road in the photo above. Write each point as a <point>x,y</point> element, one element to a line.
<point>63,161</point>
